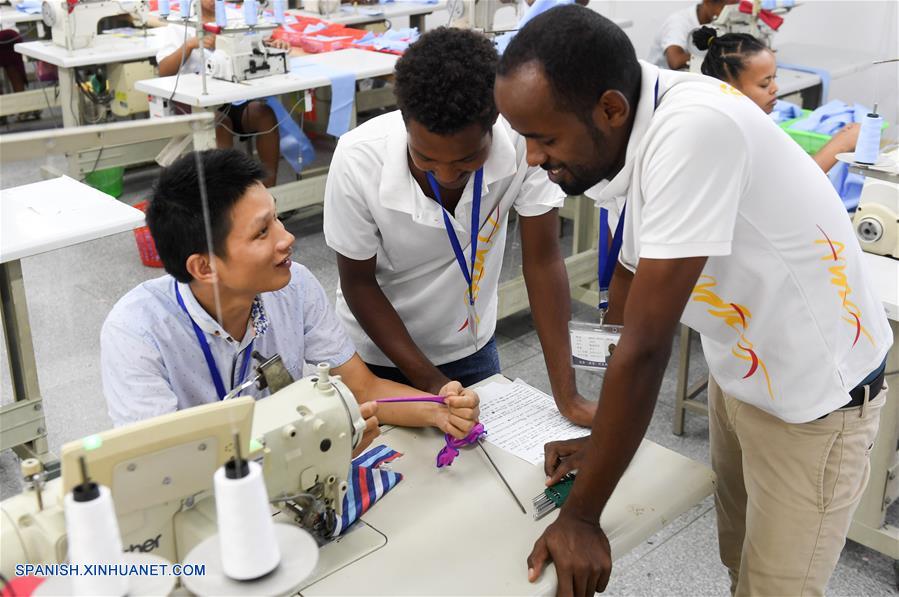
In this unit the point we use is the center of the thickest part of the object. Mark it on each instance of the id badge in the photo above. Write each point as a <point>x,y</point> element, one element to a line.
<point>592,344</point>
<point>472,323</point>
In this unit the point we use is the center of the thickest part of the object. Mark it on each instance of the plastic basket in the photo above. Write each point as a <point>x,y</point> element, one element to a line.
<point>146,247</point>
<point>810,142</point>
<point>108,180</point>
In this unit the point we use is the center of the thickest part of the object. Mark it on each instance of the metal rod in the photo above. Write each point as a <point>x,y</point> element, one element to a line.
<point>506,483</point>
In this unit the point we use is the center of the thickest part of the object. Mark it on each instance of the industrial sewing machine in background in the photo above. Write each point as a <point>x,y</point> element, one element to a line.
<point>241,55</point>
<point>160,471</point>
<point>74,23</point>
<point>738,18</point>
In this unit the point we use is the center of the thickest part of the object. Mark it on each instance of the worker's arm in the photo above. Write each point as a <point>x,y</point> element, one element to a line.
<point>170,65</point>
<point>619,288</point>
<point>844,140</point>
<point>456,418</point>
<point>575,542</point>
<point>677,57</point>
<point>382,323</point>
<point>550,299</point>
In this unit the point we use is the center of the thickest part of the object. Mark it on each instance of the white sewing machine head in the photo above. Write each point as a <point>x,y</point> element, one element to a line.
<point>74,25</point>
<point>732,20</point>
<point>240,54</point>
<point>876,218</point>
<point>160,471</point>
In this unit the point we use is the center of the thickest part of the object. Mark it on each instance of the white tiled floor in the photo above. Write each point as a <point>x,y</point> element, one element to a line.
<point>71,290</point>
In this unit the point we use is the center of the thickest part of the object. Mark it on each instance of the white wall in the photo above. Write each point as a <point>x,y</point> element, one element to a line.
<point>867,25</point>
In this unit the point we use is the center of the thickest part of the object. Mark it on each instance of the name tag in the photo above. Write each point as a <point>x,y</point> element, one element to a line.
<point>592,344</point>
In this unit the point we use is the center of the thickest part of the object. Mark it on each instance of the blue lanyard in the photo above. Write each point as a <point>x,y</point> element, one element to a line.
<point>451,232</point>
<point>605,266</point>
<point>606,263</point>
<point>210,360</point>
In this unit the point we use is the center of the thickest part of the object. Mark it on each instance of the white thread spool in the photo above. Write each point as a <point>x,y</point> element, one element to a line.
<point>249,12</point>
<point>278,9</point>
<point>249,548</point>
<point>164,9</point>
<point>867,148</point>
<point>221,17</point>
<point>185,9</point>
<point>93,536</point>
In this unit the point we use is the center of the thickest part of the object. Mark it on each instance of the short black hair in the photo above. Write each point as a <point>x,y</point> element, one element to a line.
<point>445,80</point>
<point>175,213</point>
<point>583,55</point>
<point>726,54</point>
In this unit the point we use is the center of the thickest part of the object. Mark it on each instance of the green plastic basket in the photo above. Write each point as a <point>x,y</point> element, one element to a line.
<point>108,180</point>
<point>810,142</point>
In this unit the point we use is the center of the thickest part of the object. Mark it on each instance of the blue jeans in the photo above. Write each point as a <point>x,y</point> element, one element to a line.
<point>467,370</point>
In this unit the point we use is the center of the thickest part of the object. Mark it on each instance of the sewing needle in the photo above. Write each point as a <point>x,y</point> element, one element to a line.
<point>506,483</point>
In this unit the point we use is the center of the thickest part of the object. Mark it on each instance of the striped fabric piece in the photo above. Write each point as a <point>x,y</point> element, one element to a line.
<point>367,483</point>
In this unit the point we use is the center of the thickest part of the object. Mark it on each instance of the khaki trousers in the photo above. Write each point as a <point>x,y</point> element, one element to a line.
<point>786,493</point>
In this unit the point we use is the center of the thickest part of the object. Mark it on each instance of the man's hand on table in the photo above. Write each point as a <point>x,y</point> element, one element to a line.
<point>369,411</point>
<point>580,550</point>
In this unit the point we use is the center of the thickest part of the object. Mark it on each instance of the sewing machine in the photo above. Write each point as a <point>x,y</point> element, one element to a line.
<point>74,25</point>
<point>475,14</point>
<point>732,20</point>
<point>240,54</point>
<point>876,218</point>
<point>160,471</point>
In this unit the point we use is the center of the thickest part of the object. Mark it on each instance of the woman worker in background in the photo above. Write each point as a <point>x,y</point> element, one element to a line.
<point>749,65</point>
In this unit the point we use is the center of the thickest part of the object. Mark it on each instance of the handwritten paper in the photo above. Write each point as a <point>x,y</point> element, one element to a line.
<point>520,419</point>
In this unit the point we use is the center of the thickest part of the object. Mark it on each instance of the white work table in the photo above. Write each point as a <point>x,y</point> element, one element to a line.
<point>107,49</point>
<point>34,219</point>
<point>10,16</point>
<point>884,277</point>
<point>457,531</point>
<point>360,15</point>
<point>794,81</point>
<point>839,62</point>
<point>869,522</point>
<point>189,91</point>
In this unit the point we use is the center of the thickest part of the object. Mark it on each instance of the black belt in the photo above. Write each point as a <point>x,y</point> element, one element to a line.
<point>857,394</point>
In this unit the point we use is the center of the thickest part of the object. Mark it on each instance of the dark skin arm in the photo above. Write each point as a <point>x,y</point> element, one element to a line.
<point>575,542</point>
<point>677,57</point>
<point>383,325</point>
<point>550,299</point>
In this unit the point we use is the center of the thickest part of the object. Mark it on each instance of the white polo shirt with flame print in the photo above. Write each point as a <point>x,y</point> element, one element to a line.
<point>788,319</point>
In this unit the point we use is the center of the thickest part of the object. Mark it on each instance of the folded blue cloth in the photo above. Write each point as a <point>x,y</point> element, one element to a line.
<point>537,8</point>
<point>831,117</point>
<point>343,92</point>
<point>367,483</point>
<point>828,120</point>
<point>31,7</point>
<point>784,111</point>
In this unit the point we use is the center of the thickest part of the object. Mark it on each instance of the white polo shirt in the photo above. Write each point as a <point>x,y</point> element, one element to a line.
<point>374,207</point>
<point>675,31</point>
<point>784,307</point>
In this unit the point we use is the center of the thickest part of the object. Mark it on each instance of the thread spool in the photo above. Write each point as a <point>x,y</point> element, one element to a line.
<point>93,536</point>
<point>164,8</point>
<point>249,12</point>
<point>249,548</point>
<point>185,9</point>
<point>221,17</point>
<point>867,148</point>
<point>278,8</point>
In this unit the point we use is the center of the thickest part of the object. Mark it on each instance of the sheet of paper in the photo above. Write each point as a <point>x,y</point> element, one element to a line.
<point>520,419</point>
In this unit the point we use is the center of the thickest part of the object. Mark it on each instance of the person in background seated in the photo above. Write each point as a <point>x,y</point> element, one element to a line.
<point>186,338</point>
<point>669,47</point>
<point>180,51</point>
<point>14,69</point>
<point>749,65</point>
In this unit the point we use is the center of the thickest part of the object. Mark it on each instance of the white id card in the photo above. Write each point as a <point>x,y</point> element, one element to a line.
<point>592,344</point>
